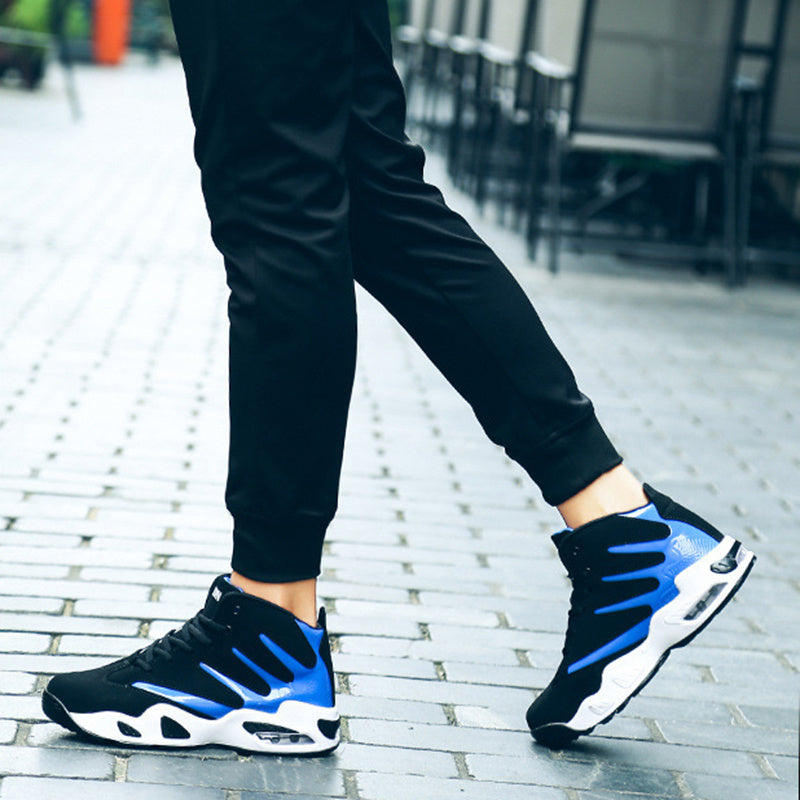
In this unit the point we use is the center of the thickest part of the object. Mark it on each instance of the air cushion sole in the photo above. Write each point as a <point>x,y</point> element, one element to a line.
<point>294,729</point>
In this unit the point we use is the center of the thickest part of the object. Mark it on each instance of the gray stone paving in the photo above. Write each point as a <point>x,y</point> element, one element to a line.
<point>446,601</point>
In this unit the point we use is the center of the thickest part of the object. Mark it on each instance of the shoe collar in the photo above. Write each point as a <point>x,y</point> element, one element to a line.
<point>221,587</point>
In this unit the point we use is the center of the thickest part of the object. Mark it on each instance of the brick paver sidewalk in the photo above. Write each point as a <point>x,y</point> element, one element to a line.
<point>447,604</point>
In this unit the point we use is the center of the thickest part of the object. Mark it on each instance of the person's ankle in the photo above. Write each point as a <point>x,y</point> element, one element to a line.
<point>297,597</point>
<point>614,492</point>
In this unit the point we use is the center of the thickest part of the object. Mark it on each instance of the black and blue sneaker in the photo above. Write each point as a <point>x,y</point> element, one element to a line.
<point>643,583</point>
<point>242,673</point>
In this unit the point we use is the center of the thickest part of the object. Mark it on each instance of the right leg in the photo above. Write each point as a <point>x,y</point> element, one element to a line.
<point>269,85</point>
<point>452,294</point>
<point>646,581</point>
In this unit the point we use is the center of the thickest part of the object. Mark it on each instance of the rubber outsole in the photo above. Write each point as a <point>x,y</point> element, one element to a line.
<point>56,711</point>
<point>557,736</point>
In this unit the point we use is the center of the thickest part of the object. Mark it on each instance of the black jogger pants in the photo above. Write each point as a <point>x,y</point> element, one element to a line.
<point>310,184</point>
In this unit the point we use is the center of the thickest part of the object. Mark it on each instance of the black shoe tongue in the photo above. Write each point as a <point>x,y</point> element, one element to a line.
<point>218,590</point>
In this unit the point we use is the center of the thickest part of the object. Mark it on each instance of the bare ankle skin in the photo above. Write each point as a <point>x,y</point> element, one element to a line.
<point>297,597</point>
<point>614,492</point>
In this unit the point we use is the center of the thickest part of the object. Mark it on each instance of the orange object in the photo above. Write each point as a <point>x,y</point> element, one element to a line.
<point>111,25</point>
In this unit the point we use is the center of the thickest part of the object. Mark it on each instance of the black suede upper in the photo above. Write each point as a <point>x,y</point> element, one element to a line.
<point>242,618</point>
<point>585,554</point>
<point>669,509</point>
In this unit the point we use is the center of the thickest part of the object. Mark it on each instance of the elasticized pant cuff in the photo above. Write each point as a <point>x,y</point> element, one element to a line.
<point>277,551</point>
<point>572,460</point>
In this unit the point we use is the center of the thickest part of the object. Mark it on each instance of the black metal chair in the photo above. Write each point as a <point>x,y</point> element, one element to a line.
<point>501,155</point>
<point>408,40</point>
<point>653,85</point>
<point>486,66</point>
<point>437,102</point>
<point>771,117</point>
<point>465,83</point>
<point>422,49</point>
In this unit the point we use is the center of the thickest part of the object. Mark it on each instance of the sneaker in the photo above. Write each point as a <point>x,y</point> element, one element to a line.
<point>644,583</point>
<point>242,673</point>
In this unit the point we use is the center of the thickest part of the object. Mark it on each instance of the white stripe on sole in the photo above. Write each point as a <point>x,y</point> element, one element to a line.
<point>300,718</point>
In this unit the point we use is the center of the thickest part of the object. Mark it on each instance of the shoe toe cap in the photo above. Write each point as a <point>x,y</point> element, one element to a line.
<point>93,690</point>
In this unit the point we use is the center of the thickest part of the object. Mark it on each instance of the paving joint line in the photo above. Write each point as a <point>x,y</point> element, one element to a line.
<point>682,784</point>
<point>21,736</point>
<point>523,658</point>
<point>121,768</point>
<point>350,781</point>
<point>706,674</point>
<point>784,661</point>
<point>655,730</point>
<point>739,719</point>
<point>763,764</point>
<point>462,768</point>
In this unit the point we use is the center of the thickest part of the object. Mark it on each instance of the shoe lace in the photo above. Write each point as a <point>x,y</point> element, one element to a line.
<point>199,629</point>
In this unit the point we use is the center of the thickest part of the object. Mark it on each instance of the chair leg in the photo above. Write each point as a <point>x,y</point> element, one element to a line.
<point>702,185</point>
<point>532,210</point>
<point>520,179</point>
<point>554,199</point>
<point>743,221</point>
<point>752,116</point>
<point>59,11</point>
<point>730,250</point>
<point>486,145</point>
<point>454,134</point>
<point>534,135</point>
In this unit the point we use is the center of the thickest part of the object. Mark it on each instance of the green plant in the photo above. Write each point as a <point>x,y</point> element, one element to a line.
<point>29,15</point>
<point>34,15</point>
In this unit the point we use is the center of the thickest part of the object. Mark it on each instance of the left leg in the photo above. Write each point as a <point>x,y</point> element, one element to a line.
<point>447,288</point>
<point>648,574</point>
<point>269,87</point>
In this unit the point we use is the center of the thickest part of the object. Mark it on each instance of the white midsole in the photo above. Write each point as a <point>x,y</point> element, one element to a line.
<point>668,626</point>
<point>228,730</point>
